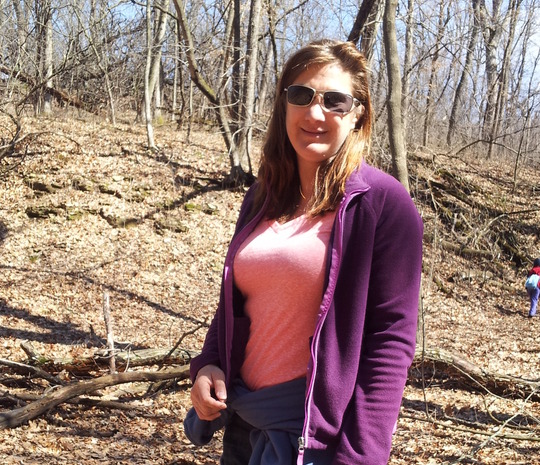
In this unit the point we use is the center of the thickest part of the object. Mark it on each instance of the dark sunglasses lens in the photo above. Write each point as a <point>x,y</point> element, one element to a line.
<point>300,95</point>
<point>338,102</point>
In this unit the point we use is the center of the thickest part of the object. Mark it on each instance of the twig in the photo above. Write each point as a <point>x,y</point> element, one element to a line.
<point>29,369</point>
<point>108,326</point>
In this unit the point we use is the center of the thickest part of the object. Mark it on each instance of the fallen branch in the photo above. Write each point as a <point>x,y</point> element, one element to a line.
<point>123,359</point>
<point>55,397</point>
<point>462,429</point>
<point>475,377</point>
<point>31,370</point>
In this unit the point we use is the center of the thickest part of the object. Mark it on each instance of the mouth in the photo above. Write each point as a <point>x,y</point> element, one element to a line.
<point>314,132</point>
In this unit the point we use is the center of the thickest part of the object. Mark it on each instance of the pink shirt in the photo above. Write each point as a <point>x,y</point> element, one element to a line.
<point>280,271</point>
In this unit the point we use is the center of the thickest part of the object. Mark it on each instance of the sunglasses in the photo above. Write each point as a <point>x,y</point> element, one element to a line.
<point>332,100</point>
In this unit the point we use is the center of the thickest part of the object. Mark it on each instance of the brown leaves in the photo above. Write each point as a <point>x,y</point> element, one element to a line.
<point>163,277</point>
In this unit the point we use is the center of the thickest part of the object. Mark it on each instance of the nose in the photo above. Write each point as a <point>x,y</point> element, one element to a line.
<point>315,109</point>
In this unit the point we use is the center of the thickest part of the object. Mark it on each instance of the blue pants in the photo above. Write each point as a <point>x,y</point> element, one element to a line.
<point>533,295</point>
<point>236,445</point>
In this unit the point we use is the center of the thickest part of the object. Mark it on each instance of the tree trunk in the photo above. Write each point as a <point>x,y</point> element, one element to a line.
<point>525,134</point>
<point>465,73</point>
<point>362,16</point>
<point>48,58</point>
<point>491,27</point>
<point>433,73</point>
<point>405,80</point>
<point>237,174</point>
<point>248,101</point>
<point>22,25</point>
<point>156,52</point>
<point>395,123</point>
<point>176,72</point>
<point>474,376</point>
<point>506,71</point>
<point>147,71</point>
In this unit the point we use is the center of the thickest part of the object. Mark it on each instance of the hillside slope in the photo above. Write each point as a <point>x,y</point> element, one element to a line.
<point>89,211</point>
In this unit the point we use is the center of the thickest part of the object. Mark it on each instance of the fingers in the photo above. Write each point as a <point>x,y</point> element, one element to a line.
<point>220,388</point>
<point>210,379</point>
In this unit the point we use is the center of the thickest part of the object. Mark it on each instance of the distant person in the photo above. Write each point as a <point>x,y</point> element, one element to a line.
<point>532,284</point>
<point>306,358</point>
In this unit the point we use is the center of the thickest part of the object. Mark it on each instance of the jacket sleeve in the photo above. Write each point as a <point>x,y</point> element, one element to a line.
<point>213,352</point>
<point>210,351</point>
<point>389,334</point>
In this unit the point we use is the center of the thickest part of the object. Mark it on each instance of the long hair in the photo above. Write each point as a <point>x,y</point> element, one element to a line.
<point>278,172</point>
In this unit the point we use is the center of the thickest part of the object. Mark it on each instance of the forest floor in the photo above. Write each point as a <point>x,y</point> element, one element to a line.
<point>90,211</point>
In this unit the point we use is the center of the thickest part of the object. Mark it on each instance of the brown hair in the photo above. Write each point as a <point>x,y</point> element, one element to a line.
<point>278,173</point>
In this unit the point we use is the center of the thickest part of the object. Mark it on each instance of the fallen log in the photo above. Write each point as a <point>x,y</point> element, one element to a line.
<point>124,359</point>
<point>454,366</point>
<point>57,396</point>
<point>473,376</point>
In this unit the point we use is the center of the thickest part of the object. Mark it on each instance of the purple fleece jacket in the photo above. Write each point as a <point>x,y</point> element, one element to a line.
<point>364,340</point>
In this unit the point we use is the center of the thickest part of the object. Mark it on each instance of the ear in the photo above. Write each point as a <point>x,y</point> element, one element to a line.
<point>358,112</point>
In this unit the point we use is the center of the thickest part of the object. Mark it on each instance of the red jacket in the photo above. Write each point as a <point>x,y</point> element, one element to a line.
<point>534,270</point>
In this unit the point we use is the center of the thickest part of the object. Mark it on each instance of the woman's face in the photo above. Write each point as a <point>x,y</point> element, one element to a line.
<point>315,133</point>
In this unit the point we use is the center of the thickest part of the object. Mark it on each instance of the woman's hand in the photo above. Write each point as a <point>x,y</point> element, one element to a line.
<point>209,393</point>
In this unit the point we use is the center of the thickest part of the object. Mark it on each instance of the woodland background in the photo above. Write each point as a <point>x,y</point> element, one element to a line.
<point>128,134</point>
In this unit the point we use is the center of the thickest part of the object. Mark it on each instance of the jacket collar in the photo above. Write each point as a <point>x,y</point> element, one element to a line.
<point>359,182</point>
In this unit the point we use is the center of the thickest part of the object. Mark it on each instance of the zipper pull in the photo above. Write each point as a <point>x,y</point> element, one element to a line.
<point>301,443</point>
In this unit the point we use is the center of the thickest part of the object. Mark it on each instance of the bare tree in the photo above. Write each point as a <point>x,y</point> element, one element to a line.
<point>44,71</point>
<point>147,73</point>
<point>395,123</point>
<point>465,73</point>
<point>236,133</point>
<point>405,81</point>
<point>492,25</point>
<point>433,73</point>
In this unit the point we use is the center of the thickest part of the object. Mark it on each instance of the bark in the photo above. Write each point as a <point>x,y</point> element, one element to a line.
<point>48,58</point>
<point>506,71</point>
<point>22,26</point>
<point>492,26</point>
<point>370,32</point>
<point>248,101</point>
<point>395,122</point>
<point>156,50</point>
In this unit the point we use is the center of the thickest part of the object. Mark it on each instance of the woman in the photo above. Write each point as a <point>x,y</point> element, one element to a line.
<point>307,356</point>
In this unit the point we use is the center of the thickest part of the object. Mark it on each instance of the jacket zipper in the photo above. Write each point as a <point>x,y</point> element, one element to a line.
<point>334,268</point>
